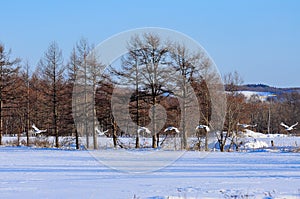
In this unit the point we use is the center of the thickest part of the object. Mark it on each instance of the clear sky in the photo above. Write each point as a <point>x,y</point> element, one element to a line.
<point>258,38</point>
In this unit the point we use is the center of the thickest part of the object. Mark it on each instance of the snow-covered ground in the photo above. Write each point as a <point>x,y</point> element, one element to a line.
<point>250,140</point>
<point>51,173</point>
<point>255,140</point>
<point>259,171</point>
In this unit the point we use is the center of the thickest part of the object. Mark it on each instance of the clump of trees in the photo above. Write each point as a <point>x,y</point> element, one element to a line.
<point>157,84</point>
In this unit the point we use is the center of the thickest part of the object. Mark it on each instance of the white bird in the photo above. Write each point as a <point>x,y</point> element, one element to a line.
<point>172,128</point>
<point>38,131</point>
<point>144,129</point>
<point>201,126</point>
<point>288,128</point>
<point>246,125</point>
<point>100,133</point>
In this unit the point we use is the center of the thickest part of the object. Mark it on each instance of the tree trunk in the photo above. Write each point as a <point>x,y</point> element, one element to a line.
<point>19,133</point>
<point>27,111</point>
<point>95,143</point>
<point>184,133</point>
<point>55,122</point>
<point>115,134</point>
<point>115,139</point>
<point>222,147</point>
<point>154,141</point>
<point>207,119</point>
<point>137,141</point>
<point>28,106</point>
<point>221,141</point>
<point>86,131</point>
<point>1,118</point>
<point>206,140</point>
<point>76,138</point>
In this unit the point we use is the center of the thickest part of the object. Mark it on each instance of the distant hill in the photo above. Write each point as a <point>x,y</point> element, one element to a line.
<point>266,88</point>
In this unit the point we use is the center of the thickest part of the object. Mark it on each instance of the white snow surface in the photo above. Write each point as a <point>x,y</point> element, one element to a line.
<point>256,144</point>
<point>52,173</point>
<point>249,133</point>
<point>261,95</point>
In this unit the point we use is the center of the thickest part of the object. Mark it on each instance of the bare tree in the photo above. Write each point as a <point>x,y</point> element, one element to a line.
<point>8,68</point>
<point>104,109</point>
<point>87,77</point>
<point>52,70</point>
<point>80,99</point>
<point>144,70</point>
<point>72,68</point>
<point>234,109</point>
<point>23,103</point>
<point>152,53</point>
<point>128,74</point>
<point>94,69</point>
<point>27,104</point>
<point>286,110</point>
<point>188,67</point>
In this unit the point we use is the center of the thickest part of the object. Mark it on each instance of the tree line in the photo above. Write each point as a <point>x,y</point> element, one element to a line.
<point>156,84</point>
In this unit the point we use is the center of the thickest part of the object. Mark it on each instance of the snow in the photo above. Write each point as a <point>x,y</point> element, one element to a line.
<point>249,133</point>
<point>260,171</point>
<point>256,144</point>
<point>255,140</point>
<point>261,95</point>
<point>53,173</point>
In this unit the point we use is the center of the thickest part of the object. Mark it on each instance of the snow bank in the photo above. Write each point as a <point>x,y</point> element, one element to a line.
<point>256,144</point>
<point>252,134</point>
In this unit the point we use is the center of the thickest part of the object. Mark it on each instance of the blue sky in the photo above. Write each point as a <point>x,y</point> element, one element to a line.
<point>258,38</point>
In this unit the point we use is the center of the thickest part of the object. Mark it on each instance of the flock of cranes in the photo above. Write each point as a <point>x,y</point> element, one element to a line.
<point>37,131</point>
<point>287,128</point>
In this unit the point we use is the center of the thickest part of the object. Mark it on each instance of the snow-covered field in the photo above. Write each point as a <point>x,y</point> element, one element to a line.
<point>52,173</point>
<point>259,171</point>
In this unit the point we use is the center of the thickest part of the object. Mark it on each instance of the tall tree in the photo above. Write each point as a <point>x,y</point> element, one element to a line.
<point>20,101</point>
<point>143,70</point>
<point>72,68</point>
<point>52,69</point>
<point>235,106</point>
<point>8,68</point>
<point>27,125</point>
<point>155,72</point>
<point>87,78</point>
<point>128,74</point>
<point>94,69</point>
<point>189,68</point>
<point>81,87</point>
<point>23,98</point>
